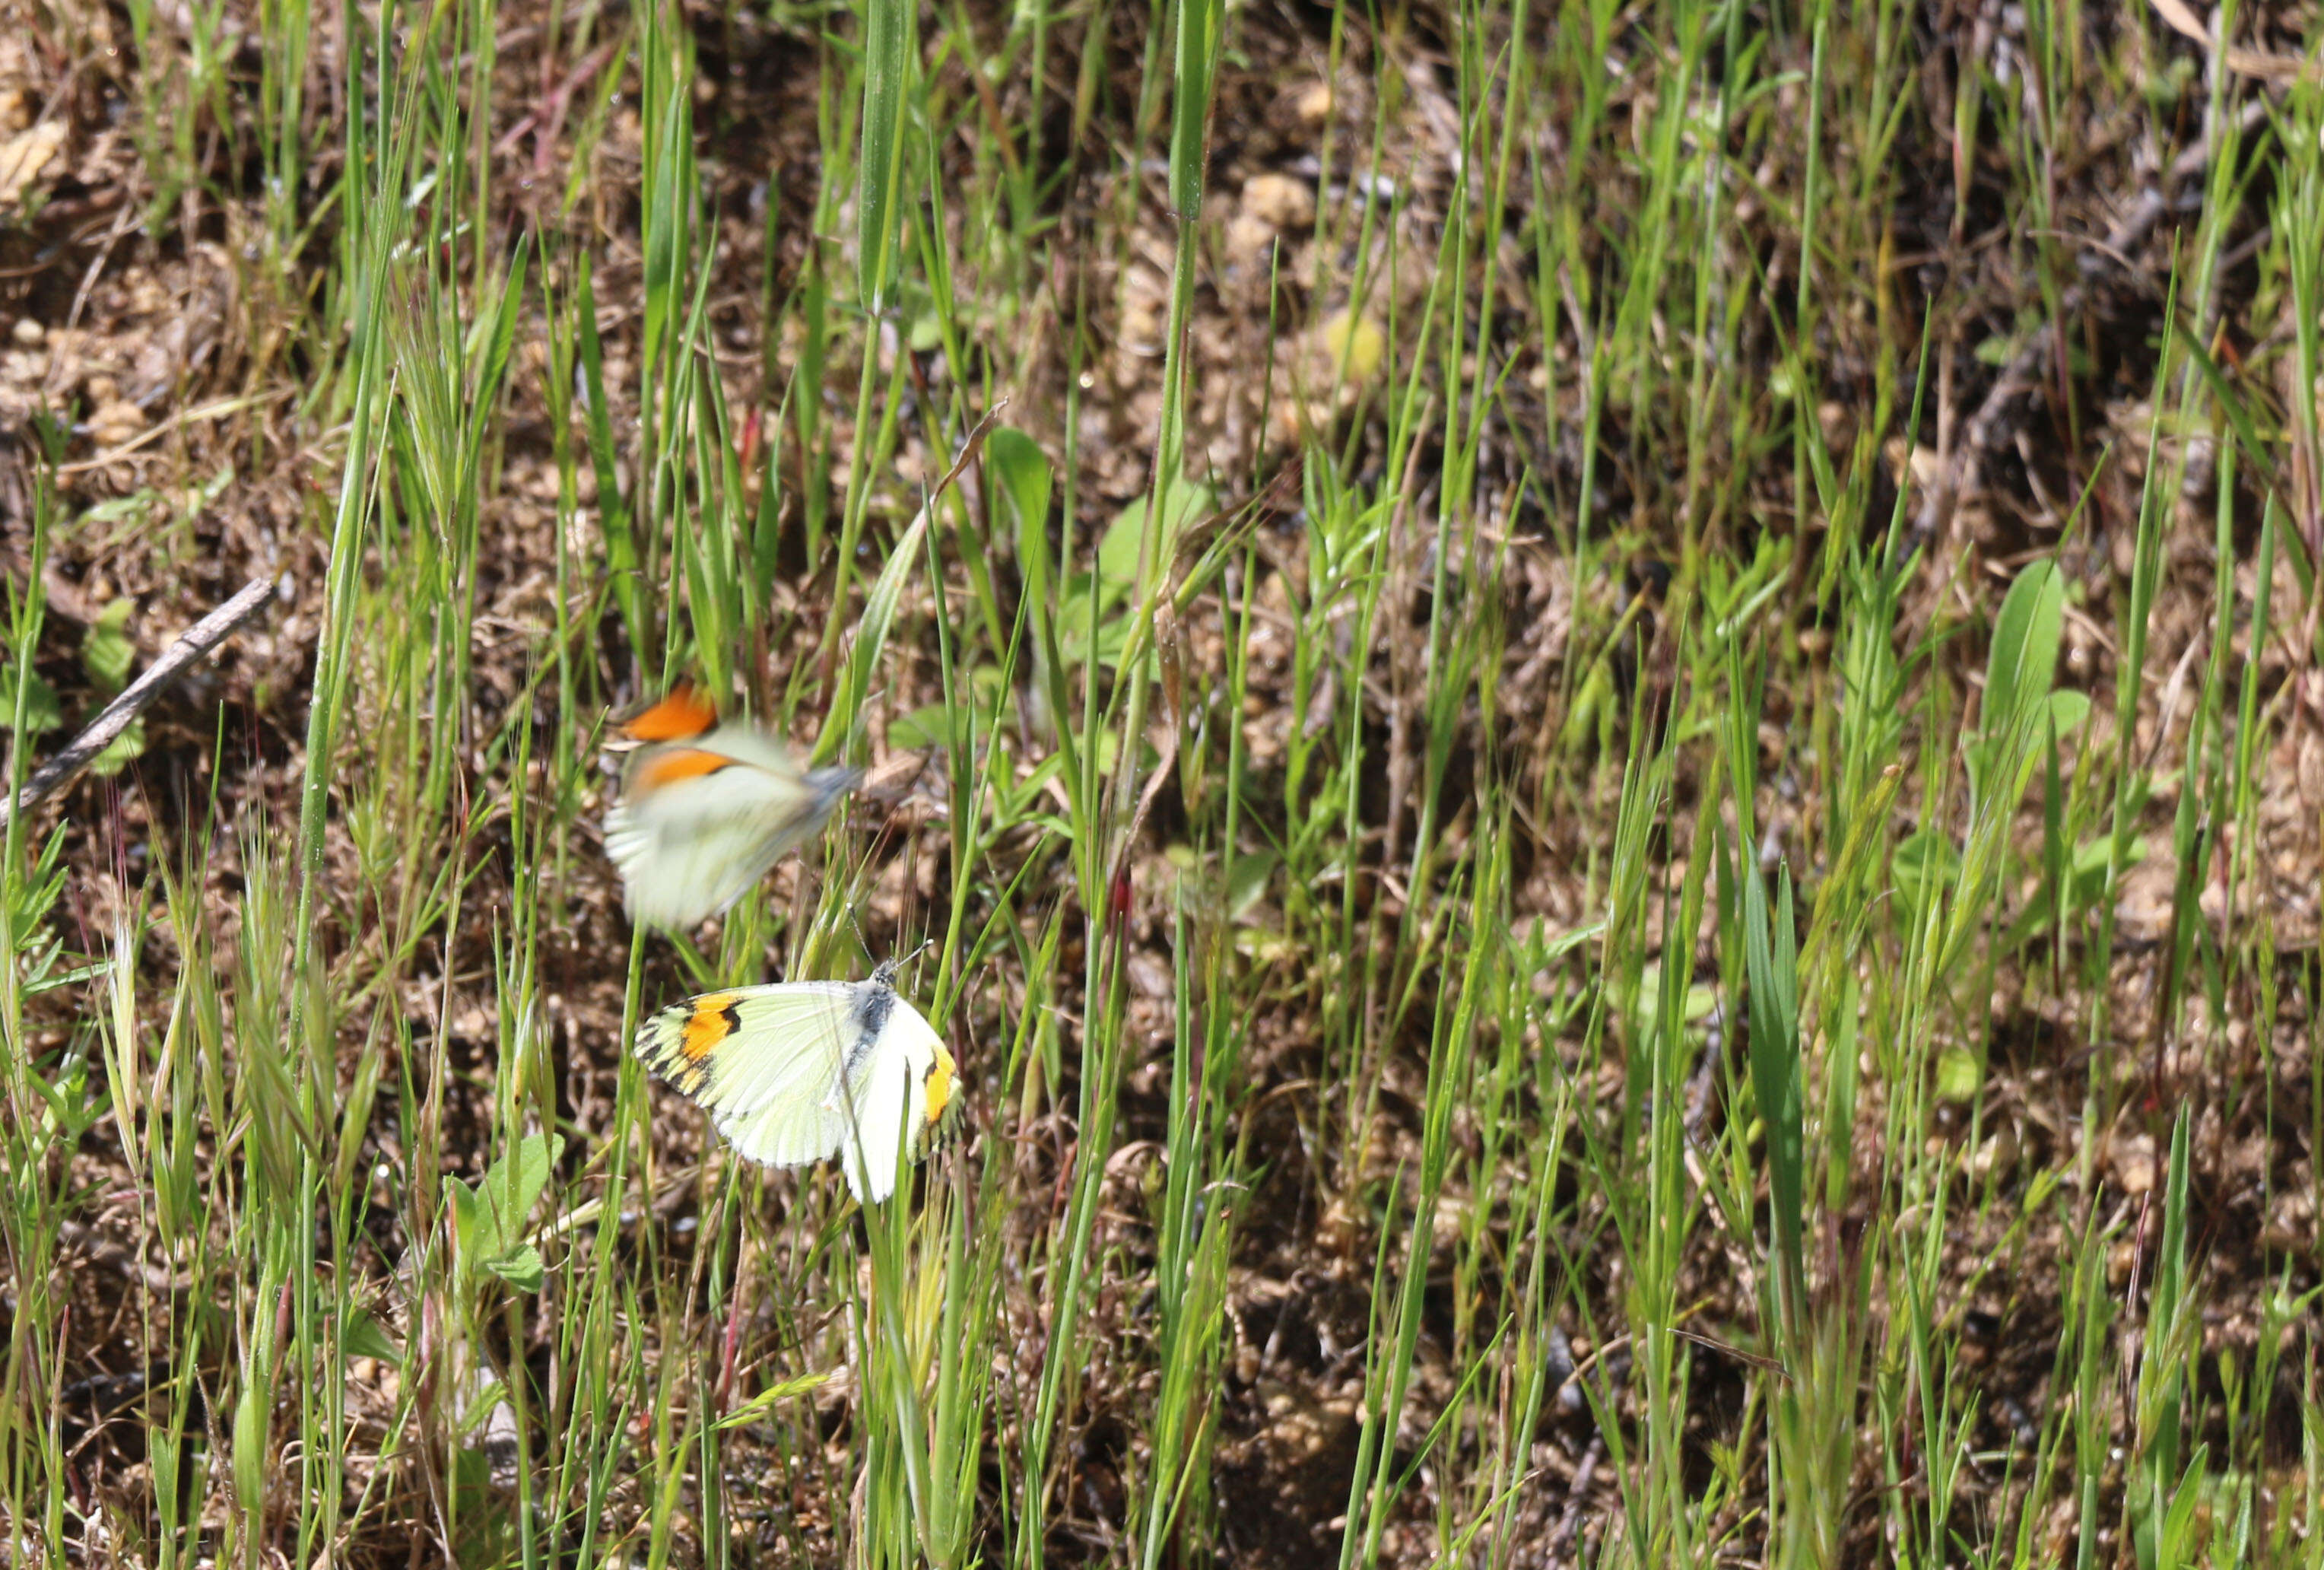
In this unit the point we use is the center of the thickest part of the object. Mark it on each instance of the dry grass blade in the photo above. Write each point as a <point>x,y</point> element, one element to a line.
<point>2271,68</point>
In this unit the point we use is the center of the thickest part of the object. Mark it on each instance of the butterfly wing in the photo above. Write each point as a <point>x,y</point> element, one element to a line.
<point>897,1088</point>
<point>701,820</point>
<point>764,1062</point>
<point>795,1072</point>
<point>684,713</point>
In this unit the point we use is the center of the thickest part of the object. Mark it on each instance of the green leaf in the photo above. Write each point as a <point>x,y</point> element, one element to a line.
<point>136,507</point>
<point>1022,469</point>
<point>251,1406</point>
<point>930,725</point>
<point>468,1220</point>
<point>1112,635</point>
<point>521,1269</point>
<point>2026,636</point>
<point>363,1336</point>
<point>1183,502</point>
<point>666,186</point>
<point>120,752</point>
<point>2019,673</point>
<point>1246,880</point>
<point>515,1184</point>
<point>1925,866</point>
<point>889,59</point>
<point>2084,875</point>
<point>107,649</point>
<point>1771,964</point>
<point>1021,466</point>
<point>1958,1075</point>
<point>488,1221</point>
<point>2178,1522</point>
<point>872,637</point>
<point>42,712</point>
<point>497,349</point>
<point>1200,25</point>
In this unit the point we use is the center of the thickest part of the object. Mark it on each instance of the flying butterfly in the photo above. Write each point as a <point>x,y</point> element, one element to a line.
<point>798,1071</point>
<point>707,807</point>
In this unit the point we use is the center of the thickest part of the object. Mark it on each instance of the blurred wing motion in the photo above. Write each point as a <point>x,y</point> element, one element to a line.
<point>795,1072</point>
<point>707,807</point>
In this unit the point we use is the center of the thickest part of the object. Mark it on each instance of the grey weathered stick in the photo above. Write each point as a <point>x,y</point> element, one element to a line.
<point>199,640</point>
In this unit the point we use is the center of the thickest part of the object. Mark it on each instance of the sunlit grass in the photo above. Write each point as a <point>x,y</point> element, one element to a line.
<point>1532,873</point>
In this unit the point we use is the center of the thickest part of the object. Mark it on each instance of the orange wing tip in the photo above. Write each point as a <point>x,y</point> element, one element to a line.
<point>714,1019</point>
<point>687,713</point>
<point>683,763</point>
<point>938,1086</point>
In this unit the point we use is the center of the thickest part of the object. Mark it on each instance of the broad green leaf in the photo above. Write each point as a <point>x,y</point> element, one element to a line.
<point>363,1336</point>
<point>42,712</point>
<point>489,1220</point>
<point>1247,880</point>
<point>928,725</point>
<point>2019,673</point>
<point>1925,866</point>
<point>2024,657</point>
<point>1183,502</point>
<point>1957,1076</point>
<point>1017,462</point>
<point>107,649</point>
<point>515,1183</point>
<point>1022,469</point>
<point>252,1407</point>
<point>522,1268</point>
<point>872,637</point>
<point>120,752</point>
<point>468,1220</point>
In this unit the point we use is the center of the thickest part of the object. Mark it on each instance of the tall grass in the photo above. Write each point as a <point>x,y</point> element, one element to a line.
<point>1538,950</point>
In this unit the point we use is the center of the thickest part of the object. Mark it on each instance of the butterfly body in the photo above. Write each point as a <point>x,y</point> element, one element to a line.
<point>795,1072</point>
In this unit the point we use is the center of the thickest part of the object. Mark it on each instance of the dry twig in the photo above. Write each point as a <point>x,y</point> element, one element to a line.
<point>198,641</point>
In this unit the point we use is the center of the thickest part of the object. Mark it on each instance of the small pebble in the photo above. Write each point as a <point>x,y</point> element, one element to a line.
<point>1279,200</point>
<point>116,422</point>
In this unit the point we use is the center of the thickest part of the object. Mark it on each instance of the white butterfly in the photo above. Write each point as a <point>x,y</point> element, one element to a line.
<point>798,1071</point>
<point>707,808</point>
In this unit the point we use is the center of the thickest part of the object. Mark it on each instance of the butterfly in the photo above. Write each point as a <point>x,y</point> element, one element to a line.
<point>798,1071</point>
<point>707,807</point>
